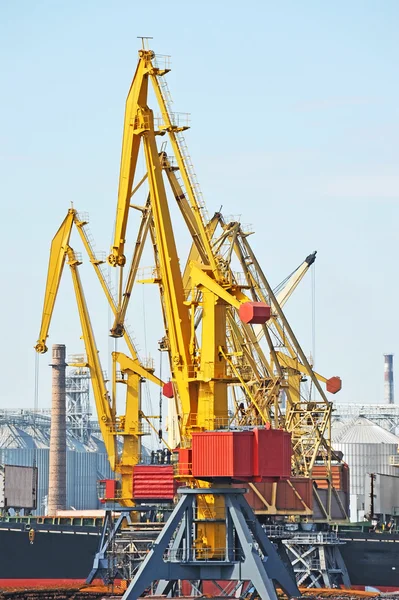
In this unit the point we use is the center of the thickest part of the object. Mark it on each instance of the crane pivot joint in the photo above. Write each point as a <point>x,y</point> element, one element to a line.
<point>117,331</point>
<point>116,261</point>
<point>41,348</point>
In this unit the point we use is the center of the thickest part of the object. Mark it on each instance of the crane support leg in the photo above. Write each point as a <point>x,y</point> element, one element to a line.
<point>253,558</point>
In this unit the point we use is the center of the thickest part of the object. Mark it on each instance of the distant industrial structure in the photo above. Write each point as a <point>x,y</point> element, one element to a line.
<point>367,448</point>
<point>64,444</point>
<point>78,411</point>
<point>367,434</point>
<point>58,447</point>
<point>388,379</point>
<point>23,444</point>
<point>386,416</point>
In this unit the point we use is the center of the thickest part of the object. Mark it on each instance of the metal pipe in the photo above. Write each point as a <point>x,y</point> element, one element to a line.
<point>57,466</point>
<point>388,379</point>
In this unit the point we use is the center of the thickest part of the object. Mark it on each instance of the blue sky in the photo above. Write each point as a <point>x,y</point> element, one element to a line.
<point>295,125</point>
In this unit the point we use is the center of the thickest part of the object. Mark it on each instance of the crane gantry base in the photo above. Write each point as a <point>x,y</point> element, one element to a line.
<point>123,544</point>
<point>317,561</point>
<point>248,555</point>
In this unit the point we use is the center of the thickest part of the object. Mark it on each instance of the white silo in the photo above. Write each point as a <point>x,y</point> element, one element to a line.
<point>367,448</point>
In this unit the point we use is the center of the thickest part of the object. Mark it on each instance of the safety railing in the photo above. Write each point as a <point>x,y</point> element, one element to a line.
<point>136,428</point>
<point>203,554</point>
<point>151,274</point>
<point>77,257</point>
<point>100,257</point>
<point>158,457</point>
<point>162,61</point>
<point>78,359</point>
<point>82,218</point>
<point>210,423</point>
<point>181,469</point>
<point>148,363</point>
<point>276,531</point>
<point>315,538</point>
<point>177,119</point>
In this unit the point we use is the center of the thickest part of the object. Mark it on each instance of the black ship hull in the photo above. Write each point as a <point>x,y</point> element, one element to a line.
<point>372,559</point>
<point>62,556</point>
<point>55,556</point>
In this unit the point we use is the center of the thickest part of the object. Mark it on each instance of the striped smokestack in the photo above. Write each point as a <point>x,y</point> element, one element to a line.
<point>57,467</point>
<point>388,379</point>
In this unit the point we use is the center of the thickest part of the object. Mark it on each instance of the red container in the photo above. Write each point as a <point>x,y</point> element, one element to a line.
<point>334,385</point>
<point>222,454</point>
<point>184,461</point>
<point>272,454</point>
<point>154,482</point>
<point>255,313</point>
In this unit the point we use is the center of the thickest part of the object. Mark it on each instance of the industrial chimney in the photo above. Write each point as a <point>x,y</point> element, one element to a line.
<point>57,467</point>
<point>388,379</point>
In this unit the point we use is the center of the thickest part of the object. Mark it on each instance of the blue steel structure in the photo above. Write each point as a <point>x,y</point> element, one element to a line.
<point>248,554</point>
<point>123,544</point>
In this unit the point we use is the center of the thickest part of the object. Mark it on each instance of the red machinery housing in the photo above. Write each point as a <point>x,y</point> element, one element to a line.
<point>257,455</point>
<point>154,482</point>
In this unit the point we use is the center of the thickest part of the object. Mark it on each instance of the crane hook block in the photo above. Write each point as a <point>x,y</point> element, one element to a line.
<point>334,385</point>
<point>167,390</point>
<point>254,313</point>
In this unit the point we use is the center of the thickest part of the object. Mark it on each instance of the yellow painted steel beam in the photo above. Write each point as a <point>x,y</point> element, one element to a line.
<point>137,96</point>
<point>176,312</point>
<point>106,418</point>
<point>58,250</point>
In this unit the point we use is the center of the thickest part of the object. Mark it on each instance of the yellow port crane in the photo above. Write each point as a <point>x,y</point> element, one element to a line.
<point>130,425</point>
<point>209,313</point>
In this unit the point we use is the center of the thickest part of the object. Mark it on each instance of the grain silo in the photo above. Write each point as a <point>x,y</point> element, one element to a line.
<point>25,441</point>
<point>367,448</point>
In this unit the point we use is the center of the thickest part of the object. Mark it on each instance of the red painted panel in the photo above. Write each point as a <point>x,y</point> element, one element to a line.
<point>40,584</point>
<point>110,488</point>
<point>212,589</point>
<point>154,482</point>
<point>255,313</point>
<point>222,454</point>
<point>185,461</point>
<point>167,390</point>
<point>286,495</point>
<point>339,474</point>
<point>345,478</point>
<point>272,453</point>
<point>334,385</point>
<point>287,499</point>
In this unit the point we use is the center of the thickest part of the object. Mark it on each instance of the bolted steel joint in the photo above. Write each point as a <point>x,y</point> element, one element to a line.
<point>41,347</point>
<point>118,331</point>
<point>116,261</point>
<point>148,54</point>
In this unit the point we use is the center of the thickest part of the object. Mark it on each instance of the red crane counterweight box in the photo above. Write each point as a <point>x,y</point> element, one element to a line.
<point>256,455</point>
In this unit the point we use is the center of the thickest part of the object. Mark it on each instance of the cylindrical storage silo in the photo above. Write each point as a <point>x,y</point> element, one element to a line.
<point>366,448</point>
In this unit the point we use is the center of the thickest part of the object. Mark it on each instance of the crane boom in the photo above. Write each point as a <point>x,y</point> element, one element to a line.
<point>56,264</point>
<point>130,149</point>
<point>106,417</point>
<point>127,426</point>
